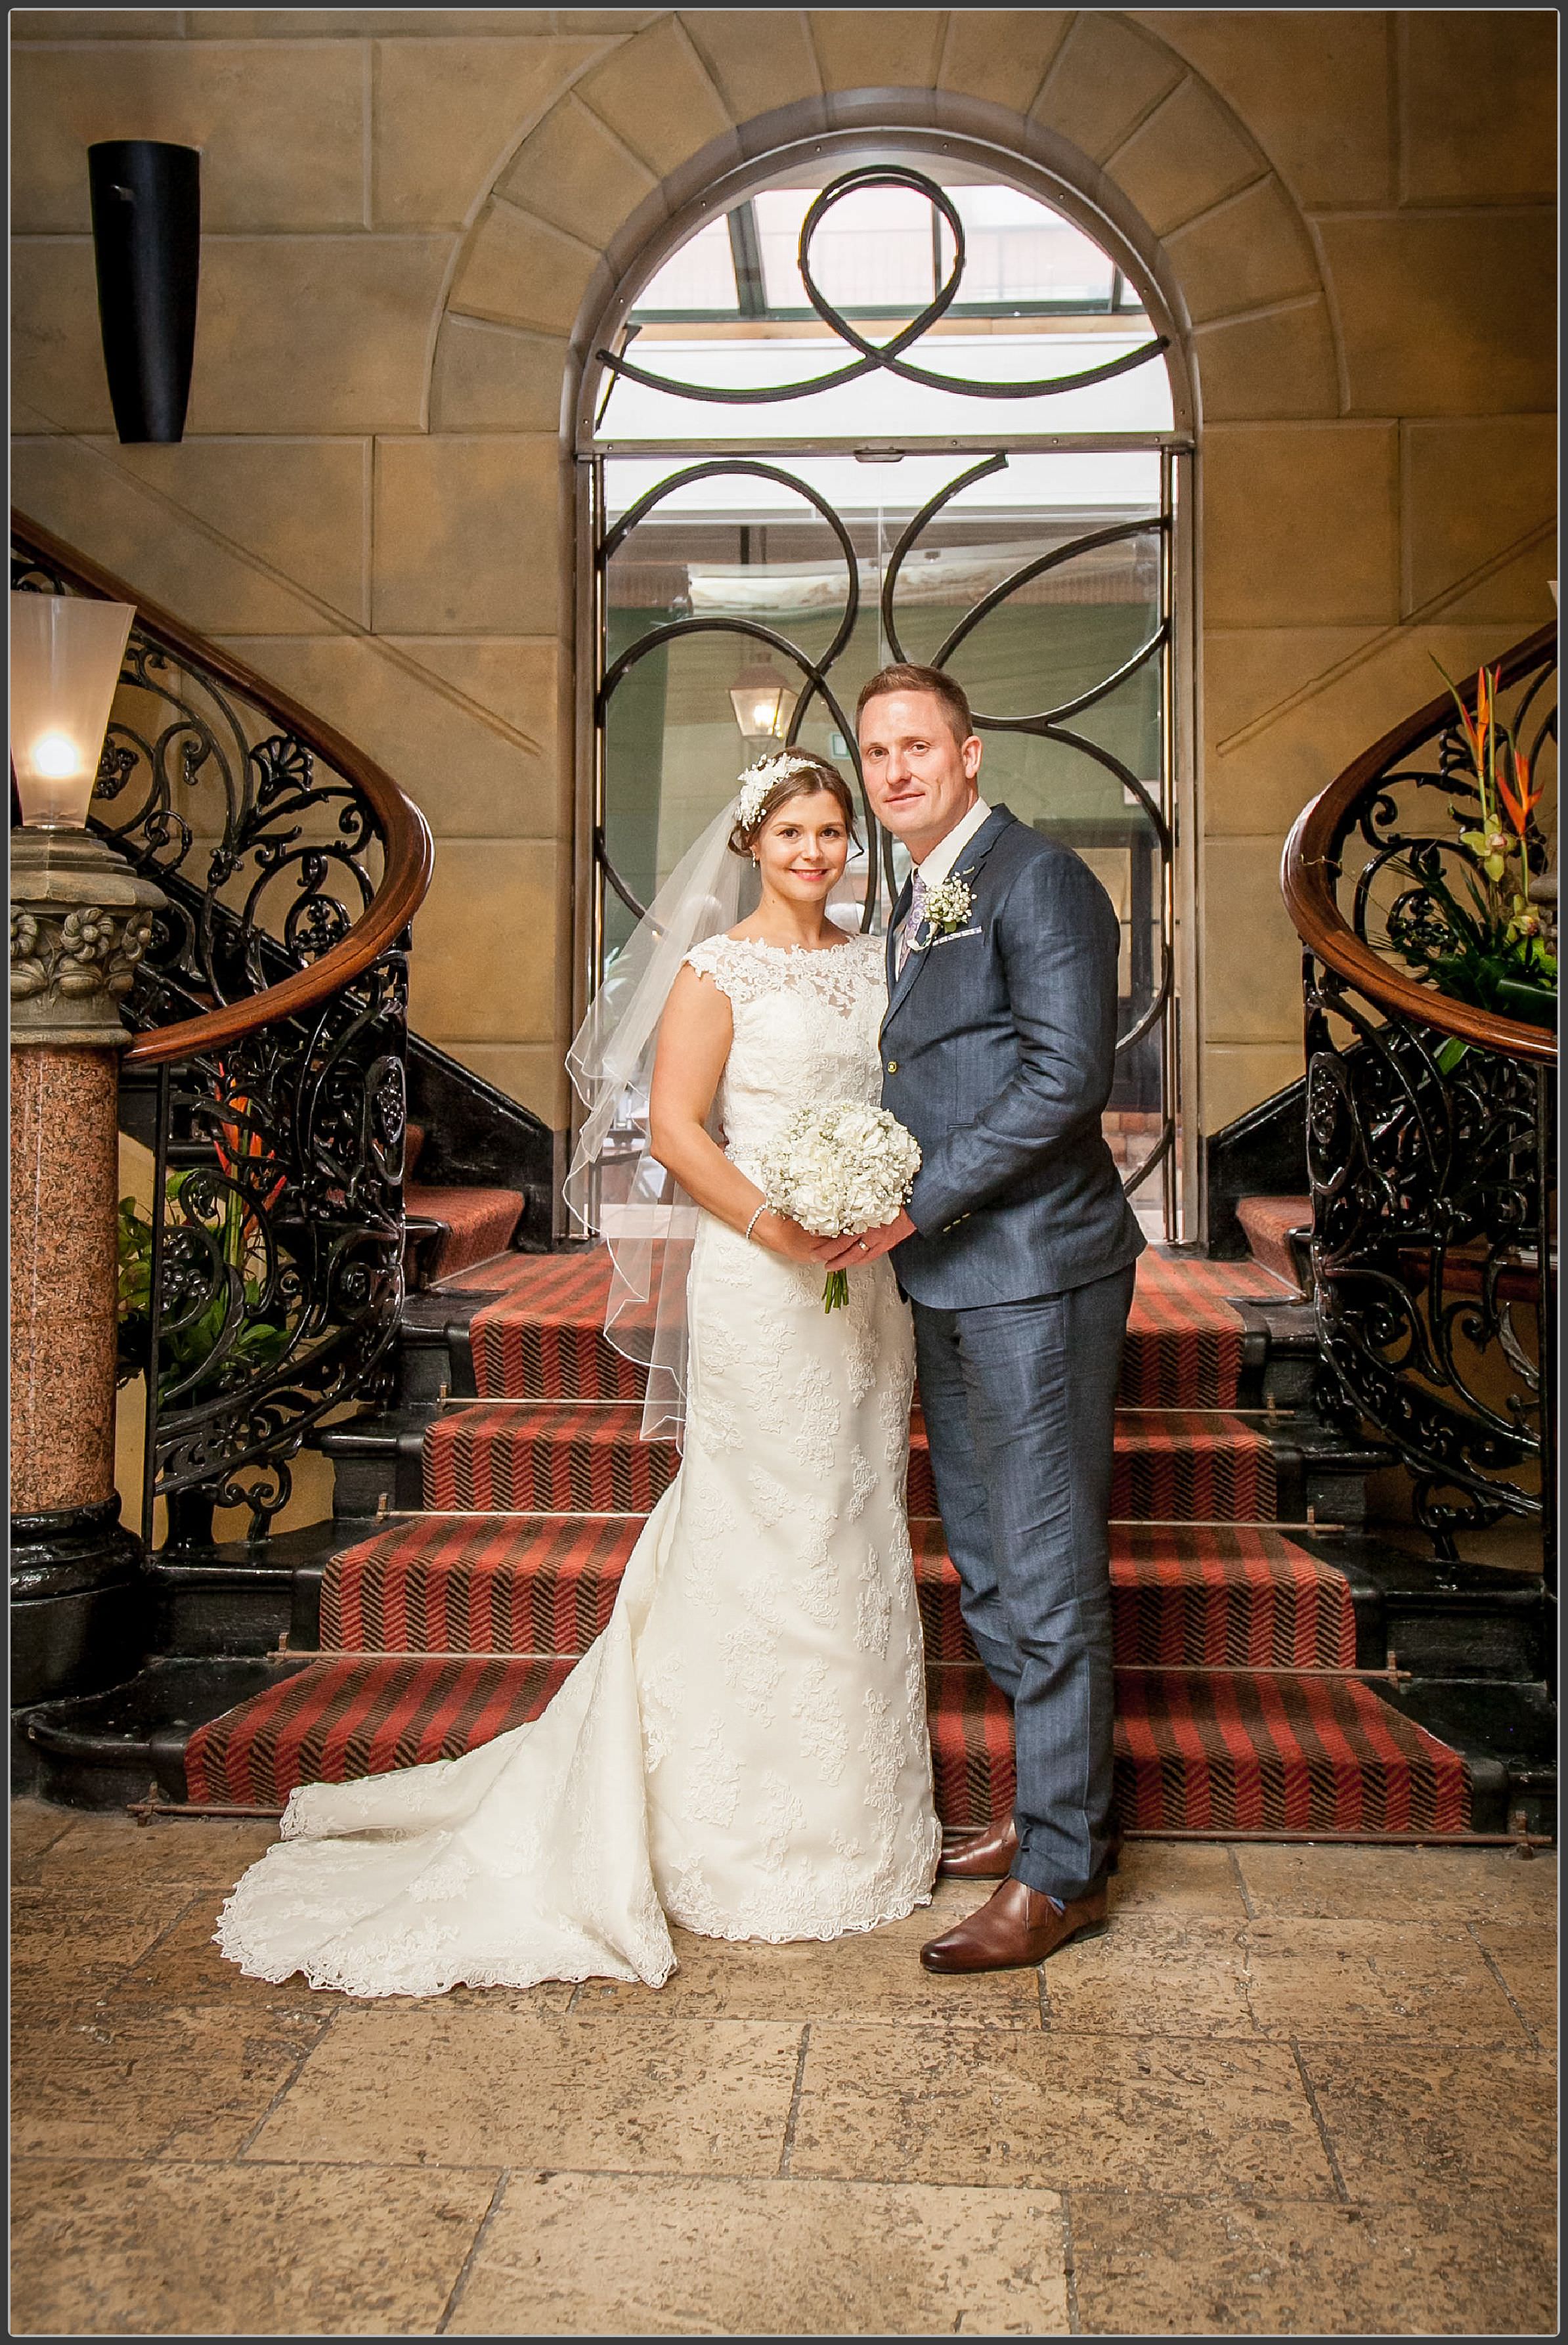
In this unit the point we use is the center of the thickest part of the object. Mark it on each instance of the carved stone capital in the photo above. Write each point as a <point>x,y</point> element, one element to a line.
<point>81,920</point>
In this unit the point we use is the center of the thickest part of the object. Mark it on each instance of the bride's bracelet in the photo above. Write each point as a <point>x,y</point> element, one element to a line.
<point>756,1217</point>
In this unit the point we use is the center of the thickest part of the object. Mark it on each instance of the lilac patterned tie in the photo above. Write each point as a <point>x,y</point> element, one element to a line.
<point>912,920</point>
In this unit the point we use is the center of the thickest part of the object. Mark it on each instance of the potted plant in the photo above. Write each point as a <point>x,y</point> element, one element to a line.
<point>1466,923</point>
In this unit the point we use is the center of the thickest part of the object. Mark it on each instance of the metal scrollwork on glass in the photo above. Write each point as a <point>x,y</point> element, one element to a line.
<point>888,356</point>
<point>1150,833</point>
<point>1118,812</point>
<point>1433,1168</point>
<point>263,1294</point>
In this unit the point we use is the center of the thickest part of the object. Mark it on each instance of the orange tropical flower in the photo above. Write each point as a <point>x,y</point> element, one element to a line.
<point>233,1144</point>
<point>1519,801</point>
<point>1478,727</point>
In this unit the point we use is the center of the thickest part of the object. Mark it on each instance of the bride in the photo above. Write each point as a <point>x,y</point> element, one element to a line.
<point>743,1751</point>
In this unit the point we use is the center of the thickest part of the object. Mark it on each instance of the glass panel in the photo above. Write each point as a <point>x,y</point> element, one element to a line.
<point>700,276</point>
<point>1017,250</point>
<point>882,406</point>
<point>872,251</point>
<point>734,547</point>
<point>876,248</point>
<point>717,551</point>
<point>1037,280</point>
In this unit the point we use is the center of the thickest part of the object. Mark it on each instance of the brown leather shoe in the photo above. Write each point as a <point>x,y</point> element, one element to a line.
<point>1015,1929</point>
<point>988,1855</point>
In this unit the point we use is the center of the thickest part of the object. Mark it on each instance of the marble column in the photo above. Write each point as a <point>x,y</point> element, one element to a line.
<point>80,920</point>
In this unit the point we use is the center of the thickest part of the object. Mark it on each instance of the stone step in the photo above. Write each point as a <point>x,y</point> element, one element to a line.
<point>1193,1753</point>
<point>585,1458</point>
<point>541,1335</point>
<point>1227,1596</point>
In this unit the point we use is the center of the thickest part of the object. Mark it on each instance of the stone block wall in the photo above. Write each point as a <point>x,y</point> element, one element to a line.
<point>413,216</point>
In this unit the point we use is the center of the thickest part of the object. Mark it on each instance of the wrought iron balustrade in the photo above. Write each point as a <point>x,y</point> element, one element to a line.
<point>267,1072</point>
<point>1432,1128</point>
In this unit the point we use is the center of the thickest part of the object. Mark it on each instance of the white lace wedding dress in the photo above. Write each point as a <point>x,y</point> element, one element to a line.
<point>743,1751</point>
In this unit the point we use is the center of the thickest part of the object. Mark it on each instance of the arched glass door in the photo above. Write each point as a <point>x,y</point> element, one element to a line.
<point>896,410</point>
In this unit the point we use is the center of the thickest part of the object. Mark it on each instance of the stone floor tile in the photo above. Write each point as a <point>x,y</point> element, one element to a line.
<point>1526,1955</point>
<point>108,2249</point>
<point>70,1948</point>
<point>611,2254</point>
<point>185,2084</point>
<point>550,1995</point>
<point>111,1850</point>
<point>1177,1877</point>
<point>996,2106</point>
<point>1393,1979</point>
<point>874,1976</point>
<point>34,1823</point>
<point>103,1928</point>
<point>1416,2123</point>
<point>1152,1974</point>
<point>185,1972</point>
<point>1153,2266</point>
<point>462,2085</point>
<point>1397,1885</point>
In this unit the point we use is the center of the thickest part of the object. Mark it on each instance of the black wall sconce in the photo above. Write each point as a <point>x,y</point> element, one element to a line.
<point>147,234</point>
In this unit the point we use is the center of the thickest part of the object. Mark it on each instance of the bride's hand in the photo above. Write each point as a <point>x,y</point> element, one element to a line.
<point>781,1235</point>
<point>851,1254</point>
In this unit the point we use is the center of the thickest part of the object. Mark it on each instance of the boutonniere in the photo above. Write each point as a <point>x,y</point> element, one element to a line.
<point>947,907</point>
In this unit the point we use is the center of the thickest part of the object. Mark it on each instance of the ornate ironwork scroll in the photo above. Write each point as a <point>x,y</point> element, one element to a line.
<point>1434,1174</point>
<point>887,356</point>
<point>1148,1012</point>
<point>814,670</point>
<point>1148,1025</point>
<point>265,1293</point>
<point>1052,724</point>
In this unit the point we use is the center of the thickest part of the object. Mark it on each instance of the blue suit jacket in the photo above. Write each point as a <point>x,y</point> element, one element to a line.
<point>998,1049</point>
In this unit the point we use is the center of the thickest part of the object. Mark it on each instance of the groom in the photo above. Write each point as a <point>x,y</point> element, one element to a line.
<point>1017,1253</point>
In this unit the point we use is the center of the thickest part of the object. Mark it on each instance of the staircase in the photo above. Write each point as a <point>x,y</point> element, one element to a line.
<point>1239,1710</point>
<point>450,1227</point>
<point>491,1483</point>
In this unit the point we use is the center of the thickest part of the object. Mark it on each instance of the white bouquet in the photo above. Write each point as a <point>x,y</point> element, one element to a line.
<point>840,1171</point>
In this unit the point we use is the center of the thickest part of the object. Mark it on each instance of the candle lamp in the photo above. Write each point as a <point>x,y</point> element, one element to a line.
<point>81,921</point>
<point>81,918</point>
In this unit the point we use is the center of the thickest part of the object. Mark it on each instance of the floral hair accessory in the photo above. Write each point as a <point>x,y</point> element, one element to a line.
<point>759,782</point>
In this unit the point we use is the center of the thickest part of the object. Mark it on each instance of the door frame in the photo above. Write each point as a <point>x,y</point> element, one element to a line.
<point>1180,459</point>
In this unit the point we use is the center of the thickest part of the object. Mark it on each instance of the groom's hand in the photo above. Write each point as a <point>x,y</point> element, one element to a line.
<point>851,1254</point>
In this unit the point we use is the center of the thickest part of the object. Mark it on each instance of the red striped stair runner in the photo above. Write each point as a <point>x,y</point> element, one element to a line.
<point>1231,1595</point>
<point>584,1456</point>
<point>478,1224</point>
<point>446,1630</point>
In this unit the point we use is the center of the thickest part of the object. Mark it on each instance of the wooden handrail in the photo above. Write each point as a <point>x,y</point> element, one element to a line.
<point>407,851</point>
<point>1307,872</point>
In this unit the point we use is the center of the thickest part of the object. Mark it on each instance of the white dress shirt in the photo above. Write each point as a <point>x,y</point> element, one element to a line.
<point>935,869</point>
<point>946,851</point>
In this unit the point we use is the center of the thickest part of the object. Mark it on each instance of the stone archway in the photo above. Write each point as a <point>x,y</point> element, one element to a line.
<point>1097,104</point>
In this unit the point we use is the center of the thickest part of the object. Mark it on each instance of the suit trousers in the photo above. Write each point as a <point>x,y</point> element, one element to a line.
<point>1019,1401</point>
